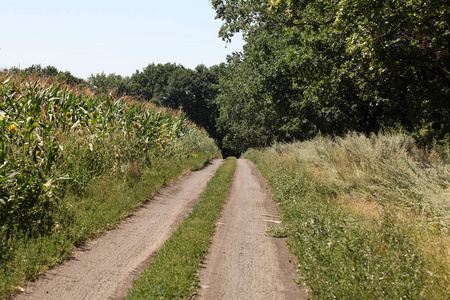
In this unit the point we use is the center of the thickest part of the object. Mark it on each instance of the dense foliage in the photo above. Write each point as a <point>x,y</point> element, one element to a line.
<point>334,66</point>
<point>165,85</point>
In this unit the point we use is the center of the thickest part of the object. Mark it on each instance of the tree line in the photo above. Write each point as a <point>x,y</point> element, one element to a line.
<point>310,67</point>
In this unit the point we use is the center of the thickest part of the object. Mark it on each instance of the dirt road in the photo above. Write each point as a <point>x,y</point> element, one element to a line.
<point>104,269</point>
<point>243,262</point>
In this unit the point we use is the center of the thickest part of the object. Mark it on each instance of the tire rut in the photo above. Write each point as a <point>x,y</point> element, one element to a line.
<point>105,268</point>
<point>243,262</point>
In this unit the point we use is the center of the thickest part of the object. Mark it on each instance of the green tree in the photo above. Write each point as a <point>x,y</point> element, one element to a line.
<point>195,92</point>
<point>105,83</point>
<point>334,66</point>
<point>149,84</point>
<point>174,86</point>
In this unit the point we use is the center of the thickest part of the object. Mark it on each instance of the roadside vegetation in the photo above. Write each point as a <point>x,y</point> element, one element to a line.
<point>73,164</point>
<point>367,214</point>
<point>173,272</point>
<point>367,217</point>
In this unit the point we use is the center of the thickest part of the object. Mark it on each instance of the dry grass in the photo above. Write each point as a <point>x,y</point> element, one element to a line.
<point>361,205</point>
<point>134,169</point>
<point>389,168</point>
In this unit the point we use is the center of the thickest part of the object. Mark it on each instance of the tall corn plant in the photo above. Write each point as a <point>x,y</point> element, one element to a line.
<point>28,150</point>
<point>53,138</point>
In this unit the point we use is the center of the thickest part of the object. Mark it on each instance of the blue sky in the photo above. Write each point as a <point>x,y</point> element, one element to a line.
<point>89,37</point>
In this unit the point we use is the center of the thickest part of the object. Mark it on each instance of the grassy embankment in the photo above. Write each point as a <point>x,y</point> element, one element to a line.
<point>172,273</point>
<point>368,218</point>
<point>74,165</point>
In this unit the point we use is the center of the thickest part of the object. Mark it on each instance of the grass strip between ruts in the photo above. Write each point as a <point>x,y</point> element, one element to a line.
<point>172,273</point>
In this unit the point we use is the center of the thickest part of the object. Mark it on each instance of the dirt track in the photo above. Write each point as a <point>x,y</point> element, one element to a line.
<point>104,269</point>
<point>243,262</point>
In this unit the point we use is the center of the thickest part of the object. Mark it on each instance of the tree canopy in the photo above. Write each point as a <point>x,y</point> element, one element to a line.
<point>334,66</point>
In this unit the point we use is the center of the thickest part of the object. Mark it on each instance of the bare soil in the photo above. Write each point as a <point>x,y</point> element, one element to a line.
<point>244,262</point>
<point>105,268</point>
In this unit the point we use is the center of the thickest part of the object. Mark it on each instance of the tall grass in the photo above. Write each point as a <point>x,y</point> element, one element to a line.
<point>391,168</point>
<point>368,217</point>
<point>58,148</point>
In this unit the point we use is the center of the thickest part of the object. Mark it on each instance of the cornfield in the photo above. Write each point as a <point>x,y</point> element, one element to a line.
<point>55,138</point>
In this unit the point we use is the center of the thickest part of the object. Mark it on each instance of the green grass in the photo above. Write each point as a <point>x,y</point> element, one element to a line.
<point>367,217</point>
<point>172,273</point>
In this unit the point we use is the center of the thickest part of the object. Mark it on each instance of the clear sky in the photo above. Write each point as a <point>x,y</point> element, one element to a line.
<point>92,36</point>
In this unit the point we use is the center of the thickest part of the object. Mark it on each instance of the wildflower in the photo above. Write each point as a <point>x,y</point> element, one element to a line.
<point>162,149</point>
<point>12,127</point>
<point>164,127</point>
<point>55,107</point>
<point>170,134</point>
<point>70,123</point>
<point>115,124</point>
<point>1,118</point>
<point>92,114</point>
<point>196,155</point>
<point>68,115</point>
<point>130,133</point>
<point>38,153</point>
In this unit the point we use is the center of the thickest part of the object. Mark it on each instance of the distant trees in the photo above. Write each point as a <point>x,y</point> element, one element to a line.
<point>105,83</point>
<point>171,85</point>
<point>176,87</point>
<point>195,91</point>
<point>150,83</point>
<point>51,71</point>
<point>334,66</point>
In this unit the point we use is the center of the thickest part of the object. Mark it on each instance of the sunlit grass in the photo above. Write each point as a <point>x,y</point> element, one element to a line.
<point>367,217</point>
